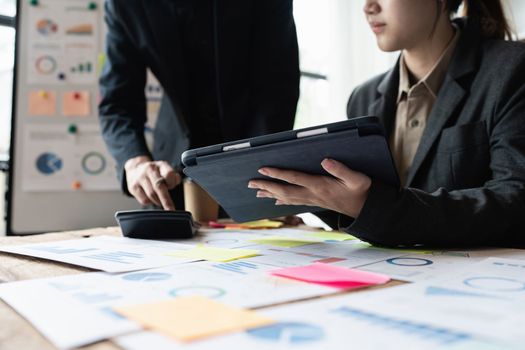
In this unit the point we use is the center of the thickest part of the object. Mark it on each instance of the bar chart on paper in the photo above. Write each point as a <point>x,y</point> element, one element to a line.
<point>110,254</point>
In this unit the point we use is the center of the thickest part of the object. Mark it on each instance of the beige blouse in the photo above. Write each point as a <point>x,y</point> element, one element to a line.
<point>414,104</point>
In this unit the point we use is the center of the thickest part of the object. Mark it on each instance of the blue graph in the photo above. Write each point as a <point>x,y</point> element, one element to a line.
<point>409,262</point>
<point>95,298</point>
<point>206,291</point>
<point>48,163</point>
<point>439,291</point>
<point>117,257</point>
<point>108,310</point>
<point>289,332</point>
<point>241,267</point>
<point>495,284</point>
<point>429,333</point>
<point>147,277</point>
<point>58,250</point>
<point>499,263</point>
<point>65,287</point>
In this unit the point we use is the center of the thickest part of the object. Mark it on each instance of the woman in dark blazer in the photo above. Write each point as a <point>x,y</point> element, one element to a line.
<point>464,177</point>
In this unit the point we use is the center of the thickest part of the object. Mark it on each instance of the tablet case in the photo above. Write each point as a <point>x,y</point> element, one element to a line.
<point>225,175</point>
<point>156,224</point>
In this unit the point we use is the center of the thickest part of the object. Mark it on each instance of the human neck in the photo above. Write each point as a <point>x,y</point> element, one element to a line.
<point>422,57</point>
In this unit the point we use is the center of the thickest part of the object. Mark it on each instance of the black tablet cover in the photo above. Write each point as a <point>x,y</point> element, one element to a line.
<point>225,174</point>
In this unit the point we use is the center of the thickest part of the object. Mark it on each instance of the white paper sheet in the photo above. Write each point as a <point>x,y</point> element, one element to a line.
<point>110,254</point>
<point>61,318</point>
<point>225,238</point>
<point>487,298</point>
<point>347,254</point>
<point>333,323</point>
<point>421,267</point>
<point>92,296</point>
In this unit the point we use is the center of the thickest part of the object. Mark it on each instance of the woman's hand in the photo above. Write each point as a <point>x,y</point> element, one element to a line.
<point>346,193</point>
<point>150,181</point>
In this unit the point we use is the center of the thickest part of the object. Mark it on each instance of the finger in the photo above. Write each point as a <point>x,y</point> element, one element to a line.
<point>341,171</point>
<point>264,194</point>
<point>139,195</point>
<point>150,191</point>
<point>160,187</point>
<point>271,187</point>
<point>165,198</point>
<point>290,194</point>
<point>290,176</point>
<point>169,174</point>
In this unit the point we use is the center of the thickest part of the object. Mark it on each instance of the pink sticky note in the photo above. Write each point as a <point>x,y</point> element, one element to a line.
<point>332,276</point>
<point>76,103</point>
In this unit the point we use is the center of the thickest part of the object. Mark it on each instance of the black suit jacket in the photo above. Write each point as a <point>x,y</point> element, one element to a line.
<point>255,65</point>
<point>466,186</point>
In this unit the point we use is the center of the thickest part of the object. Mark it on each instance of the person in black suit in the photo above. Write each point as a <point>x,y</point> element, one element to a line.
<point>229,70</point>
<point>453,108</point>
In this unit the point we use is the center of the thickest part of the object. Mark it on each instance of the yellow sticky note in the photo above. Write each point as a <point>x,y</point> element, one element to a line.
<point>215,254</point>
<point>76,103</point>
<point>263,224</point>
<point>193,317</point>
<point>332,236</point>
<point>287,242</point>
<point>42,103</point>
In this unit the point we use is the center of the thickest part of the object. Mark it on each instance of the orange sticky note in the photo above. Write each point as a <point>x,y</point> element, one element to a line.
<point>42,103</point>
<point>332,276</point>
<point>193,317</point>
<point>76,103</point>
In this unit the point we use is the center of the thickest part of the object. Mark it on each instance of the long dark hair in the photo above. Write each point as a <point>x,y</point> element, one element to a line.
<point>489,13</point>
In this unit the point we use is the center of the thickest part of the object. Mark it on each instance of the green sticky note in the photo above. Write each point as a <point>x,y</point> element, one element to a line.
<point>215,254</point>
<point>362,245</point>
<point>101,62</point>
<point>287,242</point>
<point>332,236</point>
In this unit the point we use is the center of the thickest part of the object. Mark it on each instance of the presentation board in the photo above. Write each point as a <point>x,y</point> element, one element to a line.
<point>61,175</point>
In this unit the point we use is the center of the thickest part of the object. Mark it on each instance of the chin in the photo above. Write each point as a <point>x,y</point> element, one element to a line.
<point>387,46</point>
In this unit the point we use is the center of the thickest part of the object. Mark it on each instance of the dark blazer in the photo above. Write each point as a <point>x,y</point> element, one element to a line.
<point>466,186</point>
<point>255,66</point>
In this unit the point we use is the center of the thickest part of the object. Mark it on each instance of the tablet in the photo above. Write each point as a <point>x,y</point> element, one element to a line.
<point>224,170</point>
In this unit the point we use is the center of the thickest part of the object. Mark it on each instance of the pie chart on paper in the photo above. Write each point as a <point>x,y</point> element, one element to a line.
<point>288,333</point>
<point>48,163</point>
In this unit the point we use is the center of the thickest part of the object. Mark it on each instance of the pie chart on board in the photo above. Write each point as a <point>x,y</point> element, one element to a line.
<point>48,163</point>
<point>46,27</point>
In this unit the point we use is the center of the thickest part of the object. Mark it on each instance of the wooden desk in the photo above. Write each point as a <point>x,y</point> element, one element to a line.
<point>15,332</point>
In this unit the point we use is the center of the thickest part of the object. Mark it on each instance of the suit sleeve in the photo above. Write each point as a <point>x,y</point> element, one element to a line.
<point>122,108</point>
<point>491,215</point>
<point>275,69</point>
